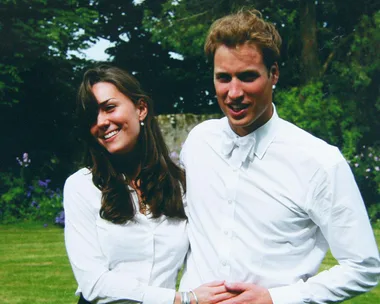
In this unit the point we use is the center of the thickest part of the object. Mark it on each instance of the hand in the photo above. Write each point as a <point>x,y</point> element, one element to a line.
<point>248,294</point>
<point>212,293</point>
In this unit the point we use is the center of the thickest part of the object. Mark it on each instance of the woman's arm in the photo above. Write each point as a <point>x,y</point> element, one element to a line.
<point>96,281</point>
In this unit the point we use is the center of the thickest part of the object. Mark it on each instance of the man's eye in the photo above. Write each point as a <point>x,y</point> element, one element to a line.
<point>223,77</point>
<point>248,77</point>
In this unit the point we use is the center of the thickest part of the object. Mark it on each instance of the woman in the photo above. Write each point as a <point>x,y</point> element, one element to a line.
<point>125,229</point>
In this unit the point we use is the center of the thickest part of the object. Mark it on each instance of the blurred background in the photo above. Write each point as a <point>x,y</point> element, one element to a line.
<point>329,81</point>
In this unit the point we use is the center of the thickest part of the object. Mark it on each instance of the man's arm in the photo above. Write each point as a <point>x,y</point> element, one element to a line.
<point>336,207</point>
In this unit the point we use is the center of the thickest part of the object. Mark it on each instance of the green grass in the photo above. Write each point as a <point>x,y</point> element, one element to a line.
<point>34,268</point>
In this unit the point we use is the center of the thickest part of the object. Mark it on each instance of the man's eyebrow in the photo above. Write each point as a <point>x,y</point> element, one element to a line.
<point>249,72</point>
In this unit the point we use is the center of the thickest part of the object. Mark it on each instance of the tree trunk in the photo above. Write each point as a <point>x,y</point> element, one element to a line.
<point>310,64</point>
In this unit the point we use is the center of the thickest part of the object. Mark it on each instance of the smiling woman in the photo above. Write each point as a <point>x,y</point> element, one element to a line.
<point>129,193</point>
<point>118,123</point>
<point>125,222</point>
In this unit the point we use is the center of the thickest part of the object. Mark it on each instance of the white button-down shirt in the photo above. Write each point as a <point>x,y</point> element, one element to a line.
<point>135,262</point>
<point>268,215</point>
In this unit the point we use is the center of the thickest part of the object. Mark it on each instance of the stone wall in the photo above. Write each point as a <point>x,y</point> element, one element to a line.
<point>175,127</point>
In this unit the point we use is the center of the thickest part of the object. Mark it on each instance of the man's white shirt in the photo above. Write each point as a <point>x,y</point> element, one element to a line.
<point>267,215</point>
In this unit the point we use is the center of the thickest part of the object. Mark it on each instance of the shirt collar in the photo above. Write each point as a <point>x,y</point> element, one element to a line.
<point>262,136</point>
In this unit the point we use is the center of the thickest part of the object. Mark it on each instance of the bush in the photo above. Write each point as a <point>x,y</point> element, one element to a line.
<point>25,197</point>
<point>366,168</point>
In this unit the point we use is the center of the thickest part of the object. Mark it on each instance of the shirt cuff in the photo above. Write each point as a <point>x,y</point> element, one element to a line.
<point>291,294</point>
<point>158,295</point>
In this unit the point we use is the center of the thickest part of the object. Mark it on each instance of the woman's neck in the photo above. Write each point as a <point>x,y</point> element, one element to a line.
<point>129,165</point>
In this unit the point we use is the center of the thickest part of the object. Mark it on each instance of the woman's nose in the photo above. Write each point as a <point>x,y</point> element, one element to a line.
<point>103,120</point>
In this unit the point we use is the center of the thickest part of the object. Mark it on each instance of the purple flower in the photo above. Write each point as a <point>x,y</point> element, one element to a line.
<point>60,219</point>
<point>174,155</point>
<point>25,161</point>
<point>25,157</point>
<point>42,183</point>
<point>19,161</point>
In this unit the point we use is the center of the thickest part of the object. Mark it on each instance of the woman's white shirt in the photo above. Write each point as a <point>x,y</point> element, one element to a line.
<point>135,262</point>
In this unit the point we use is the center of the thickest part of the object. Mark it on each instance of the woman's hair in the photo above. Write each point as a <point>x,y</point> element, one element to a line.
<point>245,26</point>
<point>160,181</point>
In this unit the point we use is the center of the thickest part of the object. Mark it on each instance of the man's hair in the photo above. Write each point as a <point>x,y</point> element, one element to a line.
<point>161,181</point>
<point>244,26</point>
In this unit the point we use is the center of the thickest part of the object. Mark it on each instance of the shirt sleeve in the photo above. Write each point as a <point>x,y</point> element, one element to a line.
<point>97,283</point>
<point>337,208</point>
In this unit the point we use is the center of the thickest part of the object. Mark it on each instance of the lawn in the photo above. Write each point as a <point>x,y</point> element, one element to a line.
<point>35,269</point>
<point>34,266</point>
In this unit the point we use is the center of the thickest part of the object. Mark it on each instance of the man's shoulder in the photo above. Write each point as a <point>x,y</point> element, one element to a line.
<point>207,128</point>
<point>303,142</point>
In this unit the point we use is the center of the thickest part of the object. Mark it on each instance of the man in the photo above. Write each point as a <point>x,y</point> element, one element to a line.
<point>266,199</point>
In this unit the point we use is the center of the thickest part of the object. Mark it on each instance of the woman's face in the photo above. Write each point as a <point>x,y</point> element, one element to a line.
<point>117,127</point>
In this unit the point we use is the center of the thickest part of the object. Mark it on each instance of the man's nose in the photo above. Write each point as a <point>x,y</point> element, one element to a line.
<point>235,90</point>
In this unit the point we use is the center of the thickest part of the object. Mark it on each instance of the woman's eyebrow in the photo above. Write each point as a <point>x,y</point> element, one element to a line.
<point>102,103</point>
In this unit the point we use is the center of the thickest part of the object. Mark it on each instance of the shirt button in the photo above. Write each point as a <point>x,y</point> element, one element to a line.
<point>224,262</point>
<point>225,232</point>
<point>229,202</point>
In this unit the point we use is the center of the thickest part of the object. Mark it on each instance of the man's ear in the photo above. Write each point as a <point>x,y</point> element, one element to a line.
<point>142,108</point>
<point>274,73</point>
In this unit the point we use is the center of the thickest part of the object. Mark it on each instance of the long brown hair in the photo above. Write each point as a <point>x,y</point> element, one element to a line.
<point>160,181</point>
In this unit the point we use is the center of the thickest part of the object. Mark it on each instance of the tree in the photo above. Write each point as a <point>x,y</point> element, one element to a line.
<point>38,80</point>
<point>166,79</point>
<point>31,29</point>
<point>310,66</point>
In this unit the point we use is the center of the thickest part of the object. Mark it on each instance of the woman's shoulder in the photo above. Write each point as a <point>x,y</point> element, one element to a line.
<point>82,177</point>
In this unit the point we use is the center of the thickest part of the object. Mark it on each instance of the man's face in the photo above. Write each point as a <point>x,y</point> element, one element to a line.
<point>243,86</point>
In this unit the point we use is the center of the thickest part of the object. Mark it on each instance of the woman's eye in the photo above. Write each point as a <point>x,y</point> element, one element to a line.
<point>110,107</point>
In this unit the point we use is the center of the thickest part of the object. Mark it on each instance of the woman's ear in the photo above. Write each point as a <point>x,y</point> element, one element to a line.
<point>142,108</point>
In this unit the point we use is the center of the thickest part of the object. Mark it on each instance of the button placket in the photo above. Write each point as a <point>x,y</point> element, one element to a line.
<point>228,224</point>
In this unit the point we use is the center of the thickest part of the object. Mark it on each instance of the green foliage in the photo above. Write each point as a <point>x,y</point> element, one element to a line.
<point>366,168</point>
<point>20,202</point>
<point>35,29</point>
<point>310,108</point>
<point>354,80</point>
<point>13,203</point>
<point>47,203</point>
<point>25,197</point>
<point>176,29</point>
